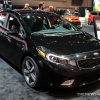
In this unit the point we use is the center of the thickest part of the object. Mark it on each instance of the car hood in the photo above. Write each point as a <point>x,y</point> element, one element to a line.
<point>65,43</point>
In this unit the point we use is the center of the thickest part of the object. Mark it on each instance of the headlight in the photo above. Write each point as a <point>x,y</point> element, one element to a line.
<point>60,60</point>
<point>57,59</point>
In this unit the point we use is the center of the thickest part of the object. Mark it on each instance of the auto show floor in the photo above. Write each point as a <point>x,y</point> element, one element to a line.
<point>13,87</point>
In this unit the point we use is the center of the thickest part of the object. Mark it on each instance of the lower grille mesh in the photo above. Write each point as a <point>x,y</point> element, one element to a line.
<point>89,63</point>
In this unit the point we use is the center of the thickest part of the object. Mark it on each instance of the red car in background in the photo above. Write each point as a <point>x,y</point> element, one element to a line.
<point>92,15</point>
<point>73,18</point>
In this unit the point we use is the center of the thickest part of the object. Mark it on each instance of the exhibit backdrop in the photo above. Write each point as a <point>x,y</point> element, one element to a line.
<point>96,6</point>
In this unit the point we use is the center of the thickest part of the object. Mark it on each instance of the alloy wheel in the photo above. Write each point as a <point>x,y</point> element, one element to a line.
<point>29,72</point>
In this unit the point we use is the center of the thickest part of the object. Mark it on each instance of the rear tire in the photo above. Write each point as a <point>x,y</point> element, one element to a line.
<point>32,73</point>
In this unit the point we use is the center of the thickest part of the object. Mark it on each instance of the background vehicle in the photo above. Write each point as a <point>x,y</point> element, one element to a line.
<point>48,53</point>
<point>70,17</point>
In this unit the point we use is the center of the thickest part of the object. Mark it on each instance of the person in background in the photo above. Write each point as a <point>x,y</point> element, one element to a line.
<point>41,6</point>
<point>76,12</point>
<point>27,6</point>
<point>68,11</point>
<point>51,9</point>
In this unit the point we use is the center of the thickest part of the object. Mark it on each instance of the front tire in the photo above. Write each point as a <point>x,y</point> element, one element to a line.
<point>31,73</point>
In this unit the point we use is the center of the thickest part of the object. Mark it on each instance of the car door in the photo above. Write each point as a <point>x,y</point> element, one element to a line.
<point>15,40</point>
<point>3,33</point>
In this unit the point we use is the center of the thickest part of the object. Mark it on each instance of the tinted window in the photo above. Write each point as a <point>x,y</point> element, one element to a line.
<point>13,24</point>
<point>63,12</point>
<point>36,23</point>
<point>15,27</point>
<point>44,21</point>
<point>57,21</point>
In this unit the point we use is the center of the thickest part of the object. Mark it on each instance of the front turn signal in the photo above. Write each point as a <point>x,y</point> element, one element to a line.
<point>41,53</point>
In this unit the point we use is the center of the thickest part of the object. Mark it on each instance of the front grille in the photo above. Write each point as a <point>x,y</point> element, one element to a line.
<point>89,63</point>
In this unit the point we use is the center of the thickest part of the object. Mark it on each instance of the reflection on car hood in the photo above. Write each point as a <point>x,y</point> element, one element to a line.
<point>67,43</point>
<point>58,30</point>
<point>55,33</point>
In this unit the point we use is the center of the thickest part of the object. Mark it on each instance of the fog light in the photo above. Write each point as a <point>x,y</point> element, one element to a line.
<point>63,61</point>
<point>72,62</point>
<point>67,83</point>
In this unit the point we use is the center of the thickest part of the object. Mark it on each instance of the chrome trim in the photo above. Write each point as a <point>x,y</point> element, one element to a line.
<point>87,59</point>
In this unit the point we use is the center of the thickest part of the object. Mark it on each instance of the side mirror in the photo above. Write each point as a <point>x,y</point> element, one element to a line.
<point>66,25</point>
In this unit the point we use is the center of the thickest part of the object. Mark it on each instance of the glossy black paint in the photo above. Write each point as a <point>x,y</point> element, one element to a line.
<point>73,43</point>
<point>67,44</point>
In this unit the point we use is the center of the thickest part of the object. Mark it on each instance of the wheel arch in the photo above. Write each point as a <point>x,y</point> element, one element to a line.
<point>34,56</point>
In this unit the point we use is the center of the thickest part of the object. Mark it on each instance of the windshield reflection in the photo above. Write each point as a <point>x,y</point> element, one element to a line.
<point>39,23</point>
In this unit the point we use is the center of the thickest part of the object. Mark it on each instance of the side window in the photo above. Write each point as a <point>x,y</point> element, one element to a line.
<point>54,20</point>
<point>15,27</point>
<point>3,18</point>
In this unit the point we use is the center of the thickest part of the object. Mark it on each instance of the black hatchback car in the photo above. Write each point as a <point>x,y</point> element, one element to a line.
<point>48,49</point>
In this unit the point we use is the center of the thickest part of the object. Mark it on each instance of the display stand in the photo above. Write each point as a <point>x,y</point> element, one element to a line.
<point>97,26</point>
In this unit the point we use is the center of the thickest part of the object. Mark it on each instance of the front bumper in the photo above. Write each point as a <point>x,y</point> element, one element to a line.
<point>70,72</point>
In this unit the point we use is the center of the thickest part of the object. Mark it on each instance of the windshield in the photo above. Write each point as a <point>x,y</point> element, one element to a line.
<point>67,13</point>
<point>54,22</point>
<point>64,12</point>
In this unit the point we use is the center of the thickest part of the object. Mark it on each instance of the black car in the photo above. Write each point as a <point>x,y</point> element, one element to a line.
<point>48,49</point>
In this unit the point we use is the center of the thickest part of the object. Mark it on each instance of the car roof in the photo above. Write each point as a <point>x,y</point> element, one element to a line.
<point>24,11</point>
